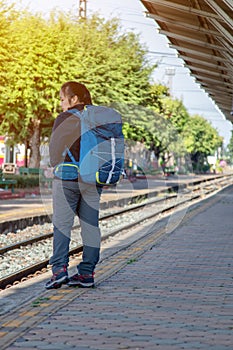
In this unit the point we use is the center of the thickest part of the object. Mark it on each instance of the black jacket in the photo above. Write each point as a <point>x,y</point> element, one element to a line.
<point>65,133</point>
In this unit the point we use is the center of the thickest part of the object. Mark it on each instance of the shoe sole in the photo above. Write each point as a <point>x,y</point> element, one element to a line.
<point>57,284</point>
<point>81,285</point>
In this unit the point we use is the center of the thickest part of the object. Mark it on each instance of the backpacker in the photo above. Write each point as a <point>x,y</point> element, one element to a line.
<point>101,158</point>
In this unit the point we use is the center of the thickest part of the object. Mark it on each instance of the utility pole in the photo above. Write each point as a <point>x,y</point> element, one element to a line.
<point>170,72</point>
<point>82,10</point>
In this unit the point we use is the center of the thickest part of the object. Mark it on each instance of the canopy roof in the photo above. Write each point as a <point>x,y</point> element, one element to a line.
<point>202,33</point>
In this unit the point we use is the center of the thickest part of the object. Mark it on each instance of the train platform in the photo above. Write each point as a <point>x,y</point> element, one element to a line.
<point>165,292</point>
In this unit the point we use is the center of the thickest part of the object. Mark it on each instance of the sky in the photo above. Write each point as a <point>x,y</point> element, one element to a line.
<point>131,13</point>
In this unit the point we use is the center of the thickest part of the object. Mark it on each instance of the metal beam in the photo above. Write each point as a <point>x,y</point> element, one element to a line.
<point>221,101</point>
<point>220,98</point>
<point>212,80</point>
<point>205,63</point>
<point>178,23</point>
<point>183,8</point>
<point>201,32</point>
<point>213,90</point>
<point>209,72</point>
<point>192,41</point>
<point>229,60</point>
<point>220,88</point>
<point>223,108</point>
<point>229,3</point>
<point>224,43</point>
<point>199,53</point>
<point>222,14</point>
<point>221,30</point>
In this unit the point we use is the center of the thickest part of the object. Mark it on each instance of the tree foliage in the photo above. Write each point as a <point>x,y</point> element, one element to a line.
<point>230,149</point>
<point>112,65</point>
<point>153,130</point>
<point>38,55</point>
<point>175,111</point>
<point>200,138</point>
<point>155,95</point>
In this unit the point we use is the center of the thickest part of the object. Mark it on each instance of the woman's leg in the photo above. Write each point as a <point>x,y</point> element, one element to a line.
<point>66,195</point>
<point>88,212</point>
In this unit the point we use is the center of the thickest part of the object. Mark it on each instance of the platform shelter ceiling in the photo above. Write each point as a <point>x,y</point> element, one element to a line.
<point>202,33</point>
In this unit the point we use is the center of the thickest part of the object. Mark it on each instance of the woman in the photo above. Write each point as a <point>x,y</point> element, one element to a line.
<point>71,197</point>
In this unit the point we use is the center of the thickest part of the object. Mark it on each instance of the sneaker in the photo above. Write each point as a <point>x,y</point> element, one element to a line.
<point>58,278</point>
<point>83,281</point>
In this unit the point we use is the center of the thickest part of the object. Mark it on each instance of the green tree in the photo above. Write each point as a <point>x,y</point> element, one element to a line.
<point>112,64</point>
<point>175,111</point>
<point>154,98</point>
<point>159,100</point>
<point>230,149</point>
<point>170,123</point>
<point>27,100</point>
<point>200,139</point>
<point>144,125</point>
<point>6,15</point>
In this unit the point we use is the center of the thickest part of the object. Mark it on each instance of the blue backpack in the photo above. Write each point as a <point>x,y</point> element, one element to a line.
<point>101,159</point>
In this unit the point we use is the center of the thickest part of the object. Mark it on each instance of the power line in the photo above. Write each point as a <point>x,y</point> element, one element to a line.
<point>163,53</point>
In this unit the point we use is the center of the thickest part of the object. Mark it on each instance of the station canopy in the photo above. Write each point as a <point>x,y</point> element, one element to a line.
<point>202,33</point>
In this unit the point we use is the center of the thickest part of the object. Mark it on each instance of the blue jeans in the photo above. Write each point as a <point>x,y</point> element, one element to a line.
<point>72,198</point>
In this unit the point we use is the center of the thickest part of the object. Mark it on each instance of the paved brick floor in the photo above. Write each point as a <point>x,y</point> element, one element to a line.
<point>177,295</point>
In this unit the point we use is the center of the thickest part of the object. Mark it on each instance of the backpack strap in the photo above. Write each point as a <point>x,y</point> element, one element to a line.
<point>71,156</point>
<point>78,114</point>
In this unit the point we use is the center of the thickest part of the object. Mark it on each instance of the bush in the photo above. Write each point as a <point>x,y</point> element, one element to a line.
<point>24,181</point>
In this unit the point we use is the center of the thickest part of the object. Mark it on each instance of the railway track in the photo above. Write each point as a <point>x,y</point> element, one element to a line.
<point>117,221</point>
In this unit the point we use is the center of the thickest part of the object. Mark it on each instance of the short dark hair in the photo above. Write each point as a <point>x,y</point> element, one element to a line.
<point>73,88</point>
